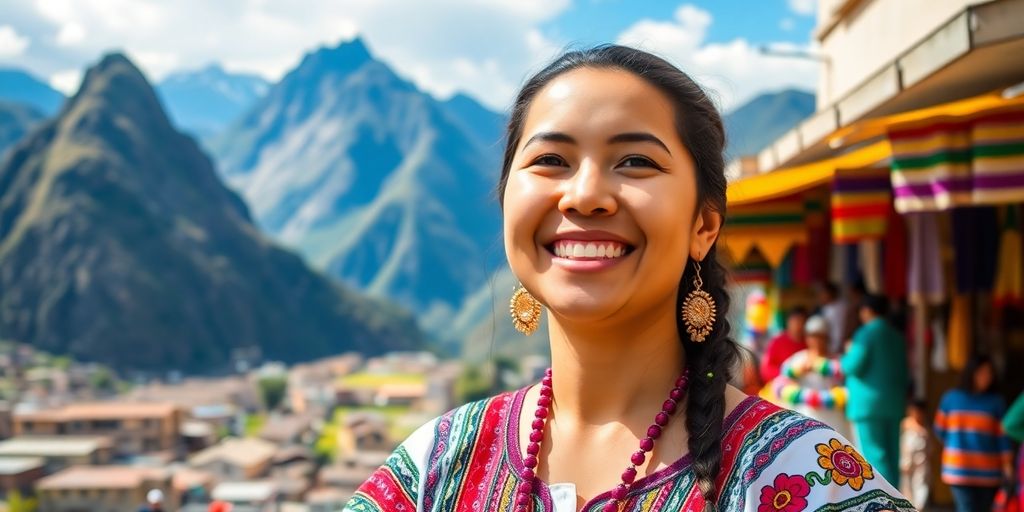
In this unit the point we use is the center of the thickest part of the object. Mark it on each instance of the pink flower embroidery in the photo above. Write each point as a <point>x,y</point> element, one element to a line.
<point>789,494</point>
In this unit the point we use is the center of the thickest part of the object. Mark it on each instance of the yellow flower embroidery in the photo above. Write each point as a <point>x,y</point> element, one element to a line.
<point>844,464</point>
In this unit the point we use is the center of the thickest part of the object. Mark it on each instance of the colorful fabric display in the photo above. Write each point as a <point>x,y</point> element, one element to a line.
<point>945,162</point>
<point>1009,286</point>
<point>861,200</point>
<point>925,281</point>
<point>975,247</point>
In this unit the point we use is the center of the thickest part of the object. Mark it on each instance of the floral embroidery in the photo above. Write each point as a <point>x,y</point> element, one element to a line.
<point>788,494</point>
<point>844,465</point>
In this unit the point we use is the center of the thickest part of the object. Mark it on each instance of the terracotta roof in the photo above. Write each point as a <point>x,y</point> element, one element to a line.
<point>243,452</point>
<point>187,478</point>
<point>101,411</point>
<point>101,477</point>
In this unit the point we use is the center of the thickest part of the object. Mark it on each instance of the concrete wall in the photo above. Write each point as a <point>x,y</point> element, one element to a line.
<point>872,35</point>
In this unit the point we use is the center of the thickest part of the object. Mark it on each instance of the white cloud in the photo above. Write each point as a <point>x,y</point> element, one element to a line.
<point>803,7</point>
<point>787,24</point>
<point>66,81</point>
<point>482,47</point>
<point>734,71</point>
<point>11,43</point>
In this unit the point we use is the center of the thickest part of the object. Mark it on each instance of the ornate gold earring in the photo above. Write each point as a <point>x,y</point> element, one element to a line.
<point>698,310</point>
<point>525,310</point>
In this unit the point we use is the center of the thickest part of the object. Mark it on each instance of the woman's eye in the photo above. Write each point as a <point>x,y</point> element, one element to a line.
<point>550,161</point>
<point>638,161</point>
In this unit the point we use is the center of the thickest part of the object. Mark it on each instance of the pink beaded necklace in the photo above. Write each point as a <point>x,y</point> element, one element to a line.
<point>540,416</point>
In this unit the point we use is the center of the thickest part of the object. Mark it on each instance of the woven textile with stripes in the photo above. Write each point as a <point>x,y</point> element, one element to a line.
<point>948,162</point>
<point>860,204</point>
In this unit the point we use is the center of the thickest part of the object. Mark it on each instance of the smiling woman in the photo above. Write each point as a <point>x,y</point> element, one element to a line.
<point>613,195</point>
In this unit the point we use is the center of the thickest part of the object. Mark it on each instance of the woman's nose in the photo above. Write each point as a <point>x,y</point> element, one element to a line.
<point>588,191</point>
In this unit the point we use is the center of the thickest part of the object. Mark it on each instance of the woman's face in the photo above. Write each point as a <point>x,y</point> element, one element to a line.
<point>601,198</point>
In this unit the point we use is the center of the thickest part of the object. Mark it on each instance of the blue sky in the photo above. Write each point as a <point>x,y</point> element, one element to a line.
<point>483,47</point>
<point>760,21</point>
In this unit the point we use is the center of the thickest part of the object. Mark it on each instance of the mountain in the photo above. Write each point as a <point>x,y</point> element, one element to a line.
<point>485,125</point>
<point>372,180</point>
<point>206,101</point>
<point>16,120</point>
<point>119,244</point>
<point>17,86</point>
<point>757,123</point>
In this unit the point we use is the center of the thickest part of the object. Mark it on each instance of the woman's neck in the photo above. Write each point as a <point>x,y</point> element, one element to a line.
<point>623,372</point>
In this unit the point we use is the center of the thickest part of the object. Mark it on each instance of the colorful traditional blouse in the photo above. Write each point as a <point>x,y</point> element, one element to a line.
<point>773,460</point>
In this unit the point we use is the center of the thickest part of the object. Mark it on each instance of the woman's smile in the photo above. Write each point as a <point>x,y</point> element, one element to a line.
<point>587,251</point>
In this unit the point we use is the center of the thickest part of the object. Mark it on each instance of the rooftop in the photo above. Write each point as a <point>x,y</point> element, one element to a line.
<point>238,451</point>
<point>53,446</point>
<point>101,477</point>
<point>17,465</point>
<point>101,411</point>
<point>245,492</point>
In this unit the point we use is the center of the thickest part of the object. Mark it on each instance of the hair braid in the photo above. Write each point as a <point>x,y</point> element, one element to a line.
<point>710,364</point>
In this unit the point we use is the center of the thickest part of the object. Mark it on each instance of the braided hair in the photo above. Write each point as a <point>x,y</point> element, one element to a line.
<point>700,128</point>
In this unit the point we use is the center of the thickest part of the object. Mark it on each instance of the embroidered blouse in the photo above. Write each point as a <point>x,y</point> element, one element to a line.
<point>773,459</point>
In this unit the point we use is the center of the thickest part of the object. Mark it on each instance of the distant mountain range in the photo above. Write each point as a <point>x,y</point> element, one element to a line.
<point>20,87</point>
<point>206,101</point>
<point>762,120</point>
<point>16,119</point>
<point>119,244</point>
<point>372,180</point>
<point>375,181</point>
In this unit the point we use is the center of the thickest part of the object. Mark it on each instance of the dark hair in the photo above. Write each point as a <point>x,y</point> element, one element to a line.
<point>699,126</point>
<point>830,289</point>
<point>797,311</point>
<point>973,365</point>
<point>877,304</point>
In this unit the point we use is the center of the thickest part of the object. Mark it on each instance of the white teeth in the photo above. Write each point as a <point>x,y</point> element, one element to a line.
<point>566,249</point>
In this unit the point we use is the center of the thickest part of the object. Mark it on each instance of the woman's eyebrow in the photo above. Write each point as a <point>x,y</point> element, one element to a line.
<point>564,138</point>
<point>638,137</point>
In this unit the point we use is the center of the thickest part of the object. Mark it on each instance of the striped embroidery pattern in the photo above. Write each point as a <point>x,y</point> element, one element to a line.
<point>392,487</point>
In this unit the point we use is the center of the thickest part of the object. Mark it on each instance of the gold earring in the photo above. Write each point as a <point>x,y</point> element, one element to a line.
<point>698,310</point>
<point>525,310</point>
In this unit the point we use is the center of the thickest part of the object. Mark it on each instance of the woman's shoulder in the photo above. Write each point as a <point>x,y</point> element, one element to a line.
<point>772,454</point>
<point>401,483</point>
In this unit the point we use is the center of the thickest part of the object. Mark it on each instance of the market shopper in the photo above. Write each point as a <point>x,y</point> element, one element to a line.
<point>784,345</point>
<point>1013,425</point>
<point>877,378</point>
<point>916,454</point>
<point>834,309</point>
<point>811,381</point>
<point>976,455</point>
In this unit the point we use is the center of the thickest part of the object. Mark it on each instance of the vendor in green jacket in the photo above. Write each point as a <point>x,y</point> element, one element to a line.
<point>877,378</point>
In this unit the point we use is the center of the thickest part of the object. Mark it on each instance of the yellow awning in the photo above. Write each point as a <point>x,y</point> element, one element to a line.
<point>876,127</point>
<point>783,182</point>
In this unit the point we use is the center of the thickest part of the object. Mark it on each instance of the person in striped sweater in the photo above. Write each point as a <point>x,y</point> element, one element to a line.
<point>976,456</point>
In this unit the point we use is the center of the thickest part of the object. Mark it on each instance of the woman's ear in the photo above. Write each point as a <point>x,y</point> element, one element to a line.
<point>706,227</point>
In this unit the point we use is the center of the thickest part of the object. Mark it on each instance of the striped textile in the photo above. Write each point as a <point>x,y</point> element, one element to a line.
<point>975,448</point>
<point>472,460</point>
<point>948,162</point>
<point>861,201</point>
<point>772,227</point>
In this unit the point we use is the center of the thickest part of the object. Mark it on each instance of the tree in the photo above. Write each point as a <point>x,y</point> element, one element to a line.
<point>272,389</point>
<point>17,503</point>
